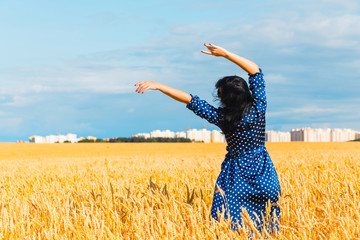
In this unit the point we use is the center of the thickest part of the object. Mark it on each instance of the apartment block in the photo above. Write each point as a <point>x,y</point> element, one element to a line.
<point>273,136</point>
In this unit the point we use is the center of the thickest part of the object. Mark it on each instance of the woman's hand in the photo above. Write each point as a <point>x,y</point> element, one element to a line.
<point>174,93</point>
<point>215,50</point>
<point>146,85</point>
<point>244,63</point>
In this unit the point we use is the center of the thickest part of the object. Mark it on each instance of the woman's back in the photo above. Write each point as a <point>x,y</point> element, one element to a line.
<point>250,133</point>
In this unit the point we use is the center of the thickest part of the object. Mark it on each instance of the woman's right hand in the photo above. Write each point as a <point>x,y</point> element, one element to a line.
<point>215,50</point>
<point>174,93</point>
<point>146,85</point>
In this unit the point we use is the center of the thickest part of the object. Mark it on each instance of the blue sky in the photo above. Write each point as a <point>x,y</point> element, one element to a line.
<point>71,65</point>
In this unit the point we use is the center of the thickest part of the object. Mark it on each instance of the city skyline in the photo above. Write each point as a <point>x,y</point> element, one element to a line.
<point>306,134</point>
<point>78,72</point>
<point>197,135</point>
<point>60,138</point>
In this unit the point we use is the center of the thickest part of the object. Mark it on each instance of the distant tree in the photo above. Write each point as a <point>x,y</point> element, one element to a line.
<point>137,139</point>
<point>85,140</point>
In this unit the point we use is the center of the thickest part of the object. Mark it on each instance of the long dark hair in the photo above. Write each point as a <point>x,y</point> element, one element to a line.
<point>236,100</point>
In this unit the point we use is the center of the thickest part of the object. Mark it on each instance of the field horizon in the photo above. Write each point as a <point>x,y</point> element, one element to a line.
<point>11,150</point>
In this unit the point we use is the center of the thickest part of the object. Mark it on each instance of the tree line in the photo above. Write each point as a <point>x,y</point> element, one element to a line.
<point>137,139</point>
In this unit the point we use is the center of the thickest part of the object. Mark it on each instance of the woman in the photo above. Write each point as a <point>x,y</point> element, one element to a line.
<point>248,179</point>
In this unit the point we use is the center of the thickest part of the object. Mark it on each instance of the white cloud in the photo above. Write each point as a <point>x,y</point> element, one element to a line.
<point>275,78</point>
<point>281,30</point>
<point>21,101</point>
<point>65,78</point>
<point>306,110</point>
<point>10,125</point>
<point>336,112</point>
<point>315,29</point>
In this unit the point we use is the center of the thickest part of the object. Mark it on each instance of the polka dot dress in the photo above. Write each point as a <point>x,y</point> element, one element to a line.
<point>248,178</point>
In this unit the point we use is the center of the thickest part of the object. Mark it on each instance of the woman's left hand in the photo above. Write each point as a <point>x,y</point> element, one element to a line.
<point>215,50</point>
<point>146,85</point>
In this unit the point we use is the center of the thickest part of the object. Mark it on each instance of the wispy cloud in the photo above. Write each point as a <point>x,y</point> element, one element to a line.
<point>307,110</point>
<point>276,78</point>
<point>90,78</point>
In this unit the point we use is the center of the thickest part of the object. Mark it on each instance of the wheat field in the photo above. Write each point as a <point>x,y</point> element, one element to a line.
<point>164,191</point>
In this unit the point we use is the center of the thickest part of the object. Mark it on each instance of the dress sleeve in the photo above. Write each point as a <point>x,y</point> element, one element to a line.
<point>257,88</point>
<point>203,109</point>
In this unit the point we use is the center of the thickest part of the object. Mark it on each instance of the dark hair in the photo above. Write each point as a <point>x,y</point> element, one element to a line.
<point>236,100</point>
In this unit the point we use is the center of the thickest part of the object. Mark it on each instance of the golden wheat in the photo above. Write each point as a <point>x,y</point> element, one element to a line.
<point>164,191</point>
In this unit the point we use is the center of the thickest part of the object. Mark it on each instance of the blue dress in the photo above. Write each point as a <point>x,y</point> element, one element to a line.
<point>248,178</point>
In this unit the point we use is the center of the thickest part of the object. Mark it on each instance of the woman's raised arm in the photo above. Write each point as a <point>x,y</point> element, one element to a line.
<point>244,63</point>
<point>174,93</point>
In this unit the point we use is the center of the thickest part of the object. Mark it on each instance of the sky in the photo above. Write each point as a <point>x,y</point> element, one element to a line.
<point>70,66</point>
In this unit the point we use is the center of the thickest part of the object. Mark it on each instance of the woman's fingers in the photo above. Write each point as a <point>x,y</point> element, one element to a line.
<point>137,90</point>
<point>212,49</point>
<point>145,89</point>
<point>141,88</point>
<point>137,84</point>
<point>140,85</point>
<point>210,46</point>
<point>213,46</point>
<point>209,53</point>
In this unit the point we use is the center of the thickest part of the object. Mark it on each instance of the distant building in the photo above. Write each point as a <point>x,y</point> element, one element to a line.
<point>54,138</point>
<point>273,136</point>
<point>302,135</point>
<point>322,135</point>
<point>91,138</point>
<point>217,137</point>
<point>202,135</point>
<point>71,137</point>
<point>343,135</point>
<point>357,136</point>
<point>51,139</point>
<point>295,135</point>
<point>163,134</point>
<point>142,135</point>
<point>169,134</point>
<point>156,133</point>
<point>37,139</point>
<point>180,134</point>
<point>205,135</point>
